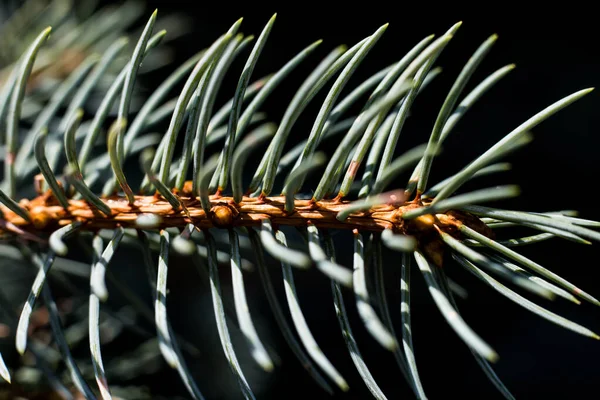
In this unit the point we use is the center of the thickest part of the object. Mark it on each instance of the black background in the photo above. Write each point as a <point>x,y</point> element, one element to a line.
<point>555,55</point>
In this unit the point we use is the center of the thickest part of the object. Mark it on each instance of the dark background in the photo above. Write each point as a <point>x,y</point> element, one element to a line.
<point>555,50</point>
<point>556,54</point>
